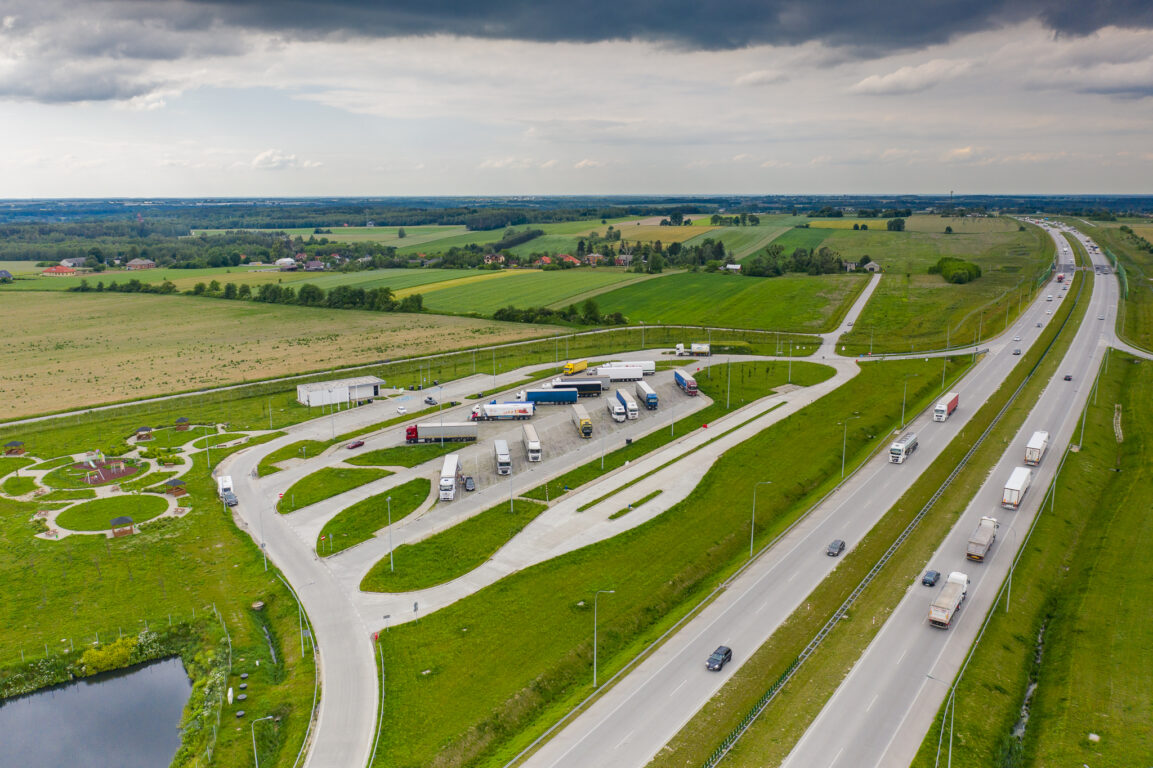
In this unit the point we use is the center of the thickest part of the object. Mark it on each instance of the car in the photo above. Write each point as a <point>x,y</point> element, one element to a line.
<point>850,324</point>
<point>1100,317</point>
<point>1017,351</point>
<point>931,578</point>
<point>1016,338</point>
<point>1068,377</point>
<point>354,444</point>
<point>836,547</point>
<point>1048,311</point>
<point>469,483</point>
<point>1038,325</point>
<point>721,656</point>
<point>430,400</point>
<point>400,409</point>
<point>230,498</point>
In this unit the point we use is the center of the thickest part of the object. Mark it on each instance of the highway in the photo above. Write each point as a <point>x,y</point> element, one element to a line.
<point>630,723</point>
<point>880,713</point>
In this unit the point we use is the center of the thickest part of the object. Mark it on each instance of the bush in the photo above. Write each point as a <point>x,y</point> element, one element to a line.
<point>955,270</point>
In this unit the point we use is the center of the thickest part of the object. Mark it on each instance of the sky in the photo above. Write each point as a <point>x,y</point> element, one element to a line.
<point>143,98</point>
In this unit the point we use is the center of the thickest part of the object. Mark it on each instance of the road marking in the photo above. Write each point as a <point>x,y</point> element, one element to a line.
<point>626,738</point>
<point>871,703</point>
<point>901,657</point>
<point>763,606</point>
<point>836,756</point>
<point>791,577</point>
<point>679,686</point>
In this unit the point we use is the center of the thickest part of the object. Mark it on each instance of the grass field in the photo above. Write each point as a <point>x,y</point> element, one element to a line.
<point>325,483</point>
<point>797,303</point>
<point>919,223</point>
<point>78,349</point>
<point>402,455</point>
<point>414,235</point>
<point>20,267</point>
<point>97,514</point>
<point>360,521</point>
<point>742,241</point>
<point>458,698</point>
<point>530,288</point>
<point>804,237</point>
<point>1135,322</point>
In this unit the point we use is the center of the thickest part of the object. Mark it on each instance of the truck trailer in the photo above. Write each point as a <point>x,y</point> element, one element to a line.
<point>904,445</point>
<point>629,403</point>
<point>1015,489</point>
<point>696,350</point>
<point>945,406</point>
<point>575,366</point>
<point>581,420</point>
<point>949,599</point>
<point>615,409</point>
<point>647,395</point>
<point>449,477</point>
<point>501,457</point>
<point>223,485</point>
<point>495,411</point>
<point>982,539</point>
<point>620,373</point>
<point>532,449</point>
<point>548,396</point>
<point>435,431</point>
<point>586,387</point>
<point>1035,450</point>
<point>648,367</point>
<point>686,382</point>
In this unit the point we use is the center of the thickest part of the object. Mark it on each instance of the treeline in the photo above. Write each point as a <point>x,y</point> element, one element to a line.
<point>1136,240</point>
<point>588,314</point>
<point>955,270</point>
<point>513,238</point>
<point>738,220</point>
<point>831,212</point>
<point>774,262</point>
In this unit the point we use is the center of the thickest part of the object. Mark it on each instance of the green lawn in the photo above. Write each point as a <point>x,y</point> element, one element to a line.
<point>19,485</point>
<point>474,682</point>
<point>451,553</point>
<point>529,288</point>
<point>359,522</point>
<point>70,476</point>
<point>325,483</point>
<point>12,463</point>
<point>215,440</point>
<point>742,241</point>
<point>801,237</point>
<point>402,455</point>
<point>95,515</point>
<point>1135,323</point>
<point>302,449</point>
<point>797,303</point>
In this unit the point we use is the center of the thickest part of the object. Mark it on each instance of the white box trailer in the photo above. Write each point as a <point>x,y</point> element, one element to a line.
<point>624,373</point>
<point>532,447</point>
<point>501,457</point>
<point>630,404</point>
<point>1035,450</point>
<point>1015,489</point>
<point>648,367</point>
<point>449,477</point>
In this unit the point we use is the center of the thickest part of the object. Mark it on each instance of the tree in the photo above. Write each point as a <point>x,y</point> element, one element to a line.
<point>414,302</point>
<point>245,291</point>
<point>656,263</point>
<point>948,230</point>
<point>590,312</point>
<point>230,290</point>
<point>310,295</point>
<point>895,225</point>
<point>214,286</point>
<point>401,234</point>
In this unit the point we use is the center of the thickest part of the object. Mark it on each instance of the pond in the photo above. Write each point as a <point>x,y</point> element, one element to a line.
<point>127,719</point>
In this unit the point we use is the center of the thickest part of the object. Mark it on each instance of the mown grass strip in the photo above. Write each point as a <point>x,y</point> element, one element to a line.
<point>402,455</point>
<point>771,736</point>
<point>96,515</point>
<point>635,504</point>
<point>325,483</point>
<point>363,519</point>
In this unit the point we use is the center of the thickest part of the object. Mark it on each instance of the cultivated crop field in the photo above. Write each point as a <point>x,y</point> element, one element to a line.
<point>78,349</point>
<point>960,224</point>
<point>742,241</point>
<point>414,235</point>
<point>528,288</point>
<point>794,303</point>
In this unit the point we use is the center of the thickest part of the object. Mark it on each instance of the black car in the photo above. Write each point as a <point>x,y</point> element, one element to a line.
<point>836,547</point>
<point>721,656</point>
<point>430,400</point>
<point>469,484</point>
<point>230,499</point>
<point>931,578</point>
<point>1068,377</point>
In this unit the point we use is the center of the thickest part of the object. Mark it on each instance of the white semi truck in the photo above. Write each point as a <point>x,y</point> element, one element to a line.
<point>945,406</point>
<point>629,403</point>
<point>223,485</point>
<point>501,457</point>
<point>449,477</point>
<point>1015,489</point>
<point>648,367</point>
<point>620,373</point>
<point>948,602</point>
<point>532,447</point>
<point>1035,450</point>
<point>615,409</point>
<point>902,447</point>
<point>981,540</point>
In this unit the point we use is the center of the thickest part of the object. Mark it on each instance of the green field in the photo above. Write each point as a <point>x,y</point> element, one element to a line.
<point>360,521</point>
<point>797,303</point>
<point>1135,321</point>
<point>96,515</point>
<point>742,241</point>
<point>530,288</point>
<point>325,483</point>
<point>402,455</point>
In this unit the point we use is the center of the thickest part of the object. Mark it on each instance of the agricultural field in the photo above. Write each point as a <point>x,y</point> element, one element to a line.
<point>414,235</point>
<point>797,303</point>
<point>1135,323</point>
<point>80,349</point>
<point>961,224</point>
<point>20,267</point>
<point>804,237</point>
<point>528,288</point>
<point>561,236</point>
<point>742,241</point>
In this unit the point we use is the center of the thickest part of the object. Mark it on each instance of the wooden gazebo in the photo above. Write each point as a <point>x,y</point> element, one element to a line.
<point>182,424</point>
<point>14,448</point>
<point>122,526</point>
<point>143,433</point>
<point>176,487</point>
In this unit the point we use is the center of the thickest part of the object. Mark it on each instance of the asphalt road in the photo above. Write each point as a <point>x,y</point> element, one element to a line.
<point>880,713</point>
<point>630,723</point>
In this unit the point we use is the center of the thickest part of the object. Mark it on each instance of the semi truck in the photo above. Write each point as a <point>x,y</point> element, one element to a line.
<point>982,539</point>
<point>949,599</point>
<point>501,457</point>
<point>686,382</point>
<point>620,373</point>
<point>449,476</point>
<point>589,387</point>
<point>1015,489</point>
<point>435,431</point>
<point>223,485</point>
<point>581,420</point>
<point>1060,277</point>
<point>615,409</point>
<point>696,350</point>
<point>1035,450</point>
<point>904,445</point>
<point>945,406</point>
<point>548,396</point>
<point>495,411</point>
<point>575,366</point>
<point>648,367</point>
<point>647,395</point>
<point>629,403</point>
<point>531,443</point>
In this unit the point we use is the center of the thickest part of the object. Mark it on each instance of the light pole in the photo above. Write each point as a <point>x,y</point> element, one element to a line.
<point>642,334</point>
<point>904,394</point>
<point>602,450</point>
<point>845,441</point>
<point>598,594</point>
<point>388,500</point>
<point>270,414</point>
<point>252,727</point>
<point>753,521</point>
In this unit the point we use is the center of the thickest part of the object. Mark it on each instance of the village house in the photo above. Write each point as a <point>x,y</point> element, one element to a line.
<point>59,271</point>
<point>141,264</point>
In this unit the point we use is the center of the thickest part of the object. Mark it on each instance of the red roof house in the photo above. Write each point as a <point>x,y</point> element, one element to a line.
<point>59,271</point>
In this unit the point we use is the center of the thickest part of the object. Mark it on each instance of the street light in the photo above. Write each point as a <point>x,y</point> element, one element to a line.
<point>252,727</point>
<point>388,499</point>
<point>753,522</point>
<point>598,594</point>
<point>845,441</point>
<point>904,393</point>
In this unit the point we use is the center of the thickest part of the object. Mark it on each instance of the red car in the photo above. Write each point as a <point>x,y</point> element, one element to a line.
<point>354,444</point>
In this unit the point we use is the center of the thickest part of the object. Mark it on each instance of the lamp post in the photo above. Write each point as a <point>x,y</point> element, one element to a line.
<point>753,521</point>
<point>388,500</point>
<point>903,395</point>
<point>252,727</point>
<point>845,441</point>
<point>598,594</point>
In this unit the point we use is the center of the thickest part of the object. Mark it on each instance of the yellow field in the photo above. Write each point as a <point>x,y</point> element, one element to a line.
<point>74,349</point>
<point>400,294</point>
<point>960,225</point>
<point>1145,232</point>
<point>647,234</point>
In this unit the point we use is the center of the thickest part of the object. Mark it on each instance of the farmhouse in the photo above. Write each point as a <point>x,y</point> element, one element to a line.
<point>850,266</point>
<point>314,266</point>
<point>568,259</point>
<point>286,264</point>
<point>75,263</point>
<point>733,267</point>
<point>5,276</point>
<point>59,272</point>
<point>359,389</point>
<point>141,264</point>
<point>872,266</point>
<point>545,260</point>
<point>494,258</point>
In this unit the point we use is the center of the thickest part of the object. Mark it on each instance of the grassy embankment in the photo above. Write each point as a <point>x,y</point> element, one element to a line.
<point>325,483</point>
<point>1135,321</point>
<point>773,734</point>
<point>525,658</point>
<point>96,515</point>
<point>402,455</point>
<point>360,521</point>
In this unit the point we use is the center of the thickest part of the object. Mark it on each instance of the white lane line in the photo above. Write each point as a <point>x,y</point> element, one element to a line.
<point>791,577</point>
<point>679,686</point>
<point>626,738</point>
<point>871,703</point>
<point>901,657</point>
<point>836,757</point>
<point>764,605</point>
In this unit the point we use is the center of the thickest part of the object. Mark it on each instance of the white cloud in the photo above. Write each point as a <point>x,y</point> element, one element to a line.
<point>275,160</point>
<point>913,79</point>
<point>588,163</point>
<point>761,77</point>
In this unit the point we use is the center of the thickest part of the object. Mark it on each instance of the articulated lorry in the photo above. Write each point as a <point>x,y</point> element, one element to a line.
<point>945,406</point>
<point>900,450</point>
<point>620,373</point>
<point>648,367</point>
<point>589,387</point>
<point>629,403</point>
<point>435,431</point>
<point>581,420</point>
<point>501,457</point>
<point>1035,450</point>
<point>615,409</point>
<point>449,477</point>
<point>223,485</point>
<point>575,366</point>
<point>1015,489</point>
<point>532,447</point>
<point>981,540</point>
<point>686,382</point>
<point>647,395</point>
<point>949,599</point>
<point>696,350</point>
<point>495,411</point>
<point>548,396</point>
